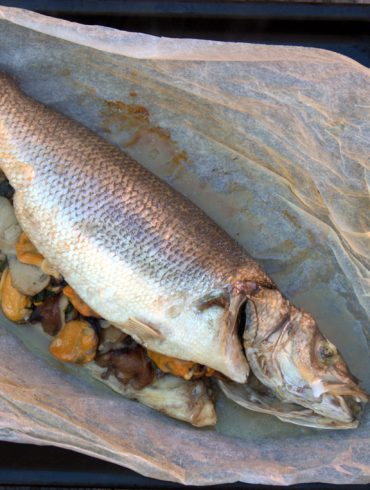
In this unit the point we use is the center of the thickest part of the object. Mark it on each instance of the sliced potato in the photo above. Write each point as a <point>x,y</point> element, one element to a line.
<point>27,279</point>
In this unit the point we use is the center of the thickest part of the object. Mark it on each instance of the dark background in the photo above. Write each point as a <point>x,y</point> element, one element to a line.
<point>22,466</point>
<point>341,27</point>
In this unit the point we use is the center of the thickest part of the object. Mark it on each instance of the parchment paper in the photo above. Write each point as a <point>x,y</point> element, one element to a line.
<point>273,143</point>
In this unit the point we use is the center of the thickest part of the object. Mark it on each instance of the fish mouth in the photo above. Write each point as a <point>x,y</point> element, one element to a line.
<point>341,411</point>
<point>345,391</point>
<point>343,404</point>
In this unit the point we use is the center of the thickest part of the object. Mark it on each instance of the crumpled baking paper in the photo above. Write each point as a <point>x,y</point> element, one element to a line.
<point>273,143</point>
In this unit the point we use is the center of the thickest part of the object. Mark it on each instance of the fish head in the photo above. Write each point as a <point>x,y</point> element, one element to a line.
<point>292,358</point>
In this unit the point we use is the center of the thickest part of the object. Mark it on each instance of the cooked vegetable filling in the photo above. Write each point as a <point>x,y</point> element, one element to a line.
<point>32,292</point>
<point>26,251</point>
<point>76,342</point>
<point>14,304</point>
<point>78,303</point>
<point>178,367</point>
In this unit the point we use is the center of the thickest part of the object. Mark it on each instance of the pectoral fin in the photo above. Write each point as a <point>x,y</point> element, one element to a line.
<point>140,331</point>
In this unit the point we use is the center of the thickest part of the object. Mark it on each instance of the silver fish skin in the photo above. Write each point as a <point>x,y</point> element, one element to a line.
<point>138,252</point>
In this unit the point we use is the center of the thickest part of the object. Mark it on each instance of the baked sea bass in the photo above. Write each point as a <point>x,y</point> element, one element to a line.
<point>153,266</point>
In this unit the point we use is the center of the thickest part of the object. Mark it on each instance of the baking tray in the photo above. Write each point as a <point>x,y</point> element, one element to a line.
<point>338,27</point>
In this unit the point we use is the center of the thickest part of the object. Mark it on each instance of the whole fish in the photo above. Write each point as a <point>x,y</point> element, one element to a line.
<point>152,263</point>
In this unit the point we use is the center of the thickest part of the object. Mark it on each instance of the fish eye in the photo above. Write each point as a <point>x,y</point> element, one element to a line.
<point>327,353</point>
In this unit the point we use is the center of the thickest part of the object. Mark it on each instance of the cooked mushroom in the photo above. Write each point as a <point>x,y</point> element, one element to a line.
<point>184,400</point>
<point>3,262</point>
<point>57,284</point>
<point>9,227</point>
<point>128,366</point>
<point>6,190</point>
<point>71,312</point>
<point>51,313</point>
<point>111,338</point>
<point>28,279</point>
